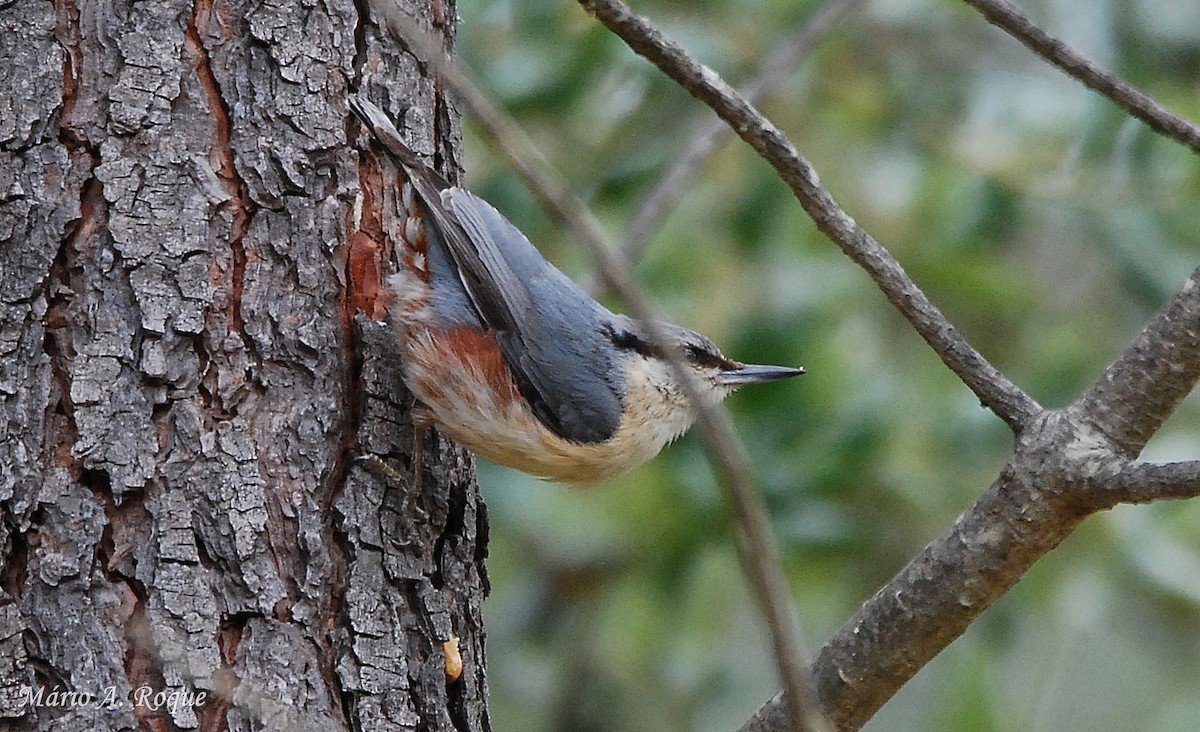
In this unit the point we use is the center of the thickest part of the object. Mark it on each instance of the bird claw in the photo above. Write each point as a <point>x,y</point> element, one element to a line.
<point>375,464</point>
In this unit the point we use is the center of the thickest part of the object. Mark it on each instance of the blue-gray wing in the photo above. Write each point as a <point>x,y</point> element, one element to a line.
<point>555,339</point>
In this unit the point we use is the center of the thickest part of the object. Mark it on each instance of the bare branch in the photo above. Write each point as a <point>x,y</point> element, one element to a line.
<point>757,549</point>
<point>1027,511</point>
<point>1010,19</point>
<point>1136,394</point>
<point>994,389</point>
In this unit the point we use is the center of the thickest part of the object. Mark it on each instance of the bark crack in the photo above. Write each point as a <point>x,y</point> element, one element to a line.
<point>93,217</point>
<point>143,664</point>
<point>238,201</point>
<point>212,716</point>
<point>363,12</point>
<point>62,285</point>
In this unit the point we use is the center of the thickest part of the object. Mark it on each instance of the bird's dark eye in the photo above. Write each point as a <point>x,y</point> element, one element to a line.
<point>699,355</point>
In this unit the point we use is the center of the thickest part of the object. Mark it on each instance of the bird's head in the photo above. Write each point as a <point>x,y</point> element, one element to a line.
<point>653,392</point>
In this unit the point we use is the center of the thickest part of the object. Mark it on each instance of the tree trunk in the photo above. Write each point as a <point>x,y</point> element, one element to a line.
<point>186,234</point>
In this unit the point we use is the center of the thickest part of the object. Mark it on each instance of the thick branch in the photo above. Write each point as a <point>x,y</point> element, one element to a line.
<point>1062,471</point>
<point>1067,465</point>
<point>994,389</point>
<point>1136,394</point>
<point>1030,508</point>
<point>1011,20</point>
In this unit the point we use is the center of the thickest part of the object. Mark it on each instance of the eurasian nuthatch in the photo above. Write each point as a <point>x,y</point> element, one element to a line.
<point>513,360</point>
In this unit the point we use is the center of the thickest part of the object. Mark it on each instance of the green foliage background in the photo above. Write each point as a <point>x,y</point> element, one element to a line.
<point>1042,220</point>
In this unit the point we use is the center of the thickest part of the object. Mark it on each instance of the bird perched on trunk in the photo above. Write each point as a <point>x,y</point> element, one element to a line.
<point>513,360</point>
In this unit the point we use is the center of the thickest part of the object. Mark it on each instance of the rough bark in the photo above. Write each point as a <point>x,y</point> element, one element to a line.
<point>184,383</point>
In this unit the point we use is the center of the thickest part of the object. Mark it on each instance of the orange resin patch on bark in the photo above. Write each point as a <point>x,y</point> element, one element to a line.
<point>367,292</point>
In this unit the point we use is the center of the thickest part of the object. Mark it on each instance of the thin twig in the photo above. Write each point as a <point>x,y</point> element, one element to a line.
<point>757,549</point>
<point>710,132</point>
<point>1017,24</point>
<point>551,189</point>
<point>1146,482</point>
<point>993,388</point>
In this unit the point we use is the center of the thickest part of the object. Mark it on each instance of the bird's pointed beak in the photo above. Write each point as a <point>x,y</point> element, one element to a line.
<point>756,374</point>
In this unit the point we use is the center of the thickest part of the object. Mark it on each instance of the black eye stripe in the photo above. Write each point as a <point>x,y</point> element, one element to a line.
<point>693,353</point>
